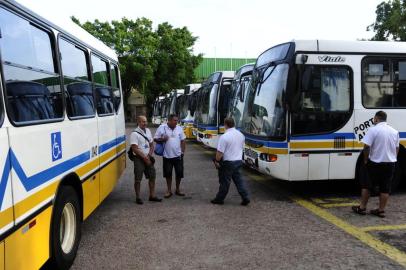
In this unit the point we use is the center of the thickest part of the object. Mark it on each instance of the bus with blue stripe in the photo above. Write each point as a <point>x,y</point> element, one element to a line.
<point>62,136</point>
<point>212,108</point>
<point>310,102</point>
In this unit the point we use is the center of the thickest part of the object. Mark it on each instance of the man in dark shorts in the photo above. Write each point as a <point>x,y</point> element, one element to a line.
<point>142,146</point>
<point>175,145</point>
<point>381,147</point>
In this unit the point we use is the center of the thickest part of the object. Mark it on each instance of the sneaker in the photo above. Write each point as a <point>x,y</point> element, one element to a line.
<point>139,201</point>
<point>214,201</point>
<point>245,202</point>
<point>155,199</point>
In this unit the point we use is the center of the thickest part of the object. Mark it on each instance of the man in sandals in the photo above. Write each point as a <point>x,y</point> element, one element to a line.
<point>228,161</point>
<point>142,146</point>
<point>381,147</point>
<point>175,145</point>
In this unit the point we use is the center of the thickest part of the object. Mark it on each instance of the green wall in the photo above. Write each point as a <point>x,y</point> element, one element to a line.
<point>210,65</point>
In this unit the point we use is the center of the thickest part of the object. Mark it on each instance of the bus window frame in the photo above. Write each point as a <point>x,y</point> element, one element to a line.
<point>117,71</point>
<point>390,57</point>
<point>351,109</point>
<point>53,42</point>
<point>94,85</point>
<point>87,55</point>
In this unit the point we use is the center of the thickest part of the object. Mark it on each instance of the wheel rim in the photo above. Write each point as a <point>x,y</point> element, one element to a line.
<point>67,231</point>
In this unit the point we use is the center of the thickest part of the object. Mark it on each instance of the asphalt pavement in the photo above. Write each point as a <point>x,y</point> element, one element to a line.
<point>286,226</point>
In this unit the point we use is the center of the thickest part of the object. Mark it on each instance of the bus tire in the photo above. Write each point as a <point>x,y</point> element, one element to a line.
<point>65,228</point>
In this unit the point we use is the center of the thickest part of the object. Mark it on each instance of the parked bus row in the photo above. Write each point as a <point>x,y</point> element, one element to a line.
<point>305,105</point>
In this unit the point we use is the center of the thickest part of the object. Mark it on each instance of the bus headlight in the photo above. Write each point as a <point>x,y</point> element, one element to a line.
<point>208,136</point>
<point>268,157</point>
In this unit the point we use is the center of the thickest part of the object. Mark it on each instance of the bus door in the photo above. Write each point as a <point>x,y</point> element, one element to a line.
<point>106,124</point>
<point>323,106</point>
<point>107,144</point>
<point>6,205</point>
<point>225,100</point>
<point>119,118</point>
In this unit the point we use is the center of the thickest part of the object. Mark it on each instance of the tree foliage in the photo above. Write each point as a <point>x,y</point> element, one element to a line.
<point>151,61</point>
<point>390,22</point>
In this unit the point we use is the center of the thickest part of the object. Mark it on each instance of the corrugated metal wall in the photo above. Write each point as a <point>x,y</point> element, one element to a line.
<point>210,65</point>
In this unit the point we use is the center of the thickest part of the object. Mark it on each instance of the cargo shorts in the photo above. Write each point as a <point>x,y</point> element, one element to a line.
<point>140,168</point>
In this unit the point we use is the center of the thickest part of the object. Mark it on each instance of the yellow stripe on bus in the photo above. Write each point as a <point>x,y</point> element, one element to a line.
<point>35,199</point>
<point>313,145</point>
<point>6,217</point>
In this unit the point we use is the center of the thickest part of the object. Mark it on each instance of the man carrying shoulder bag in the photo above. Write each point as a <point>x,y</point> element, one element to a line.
<point>142,146</point>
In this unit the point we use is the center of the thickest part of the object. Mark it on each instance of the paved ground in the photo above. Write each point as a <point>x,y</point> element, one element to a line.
<point>287,226</point>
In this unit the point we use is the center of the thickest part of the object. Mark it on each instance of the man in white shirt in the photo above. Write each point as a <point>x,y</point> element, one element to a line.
<point>229,161</point>
<point>174,138</point>
<point>381,147</point>
<point>142,146</point>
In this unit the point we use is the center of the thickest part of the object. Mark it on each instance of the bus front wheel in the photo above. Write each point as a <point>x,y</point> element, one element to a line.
<point>65,228</point>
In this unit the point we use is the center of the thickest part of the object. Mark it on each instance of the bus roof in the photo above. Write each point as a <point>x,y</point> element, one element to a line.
<point>350,46</point>
<point>66,25</point>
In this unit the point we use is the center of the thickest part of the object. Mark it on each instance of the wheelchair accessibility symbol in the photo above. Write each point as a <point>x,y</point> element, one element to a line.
<point>56,145</point>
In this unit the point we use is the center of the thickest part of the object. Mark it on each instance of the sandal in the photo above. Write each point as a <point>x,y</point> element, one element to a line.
<point>377,213</point>
<point>168,195</point>
<point>179,193</point>
<point>358,210</point>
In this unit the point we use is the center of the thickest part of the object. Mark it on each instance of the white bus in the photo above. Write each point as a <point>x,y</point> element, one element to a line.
<point>187,105</point>
<point>212,108</point>
<point>62,136</point>
<point>239,88</point>
<point>311,102</point>
<point>157,110</point>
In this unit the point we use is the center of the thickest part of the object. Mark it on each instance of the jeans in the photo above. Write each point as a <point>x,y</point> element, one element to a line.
<point>231,170</point>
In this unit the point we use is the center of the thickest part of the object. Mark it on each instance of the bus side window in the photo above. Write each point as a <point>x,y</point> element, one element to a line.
<point>104,99</point>
<point>78,88</point>
<point>101,81</point>
<point>32,84</point>
<point>115,86</point>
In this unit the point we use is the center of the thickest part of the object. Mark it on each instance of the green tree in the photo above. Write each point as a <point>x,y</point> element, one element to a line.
<point>153,62</point>
<point>390,22</point>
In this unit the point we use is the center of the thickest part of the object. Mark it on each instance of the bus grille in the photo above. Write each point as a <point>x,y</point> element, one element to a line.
<point>339,142</point>
<point>250,153</point>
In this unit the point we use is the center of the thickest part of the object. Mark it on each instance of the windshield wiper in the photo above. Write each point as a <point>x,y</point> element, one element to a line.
<point>262,74</point>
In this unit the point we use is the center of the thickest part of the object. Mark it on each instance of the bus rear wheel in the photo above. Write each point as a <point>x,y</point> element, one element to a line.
<point>65,228</point>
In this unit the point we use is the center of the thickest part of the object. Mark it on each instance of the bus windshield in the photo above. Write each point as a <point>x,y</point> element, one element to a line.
<point>183,106</point>
<point>157,108</point>
<point>207,106</point>
<point>265,115</point>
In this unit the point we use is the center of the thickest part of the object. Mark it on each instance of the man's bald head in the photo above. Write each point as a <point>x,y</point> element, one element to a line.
<point>142,121</point>
<point>141,118</point>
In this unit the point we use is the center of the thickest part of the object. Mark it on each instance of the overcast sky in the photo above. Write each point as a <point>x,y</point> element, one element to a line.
<point>232,28</point>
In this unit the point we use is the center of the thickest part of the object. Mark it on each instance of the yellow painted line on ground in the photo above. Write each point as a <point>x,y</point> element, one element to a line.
<point>383,248</point>
<point>332,205</point>
<point>384,228</point>
<point>317,200</point>
<point>339,200</point>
